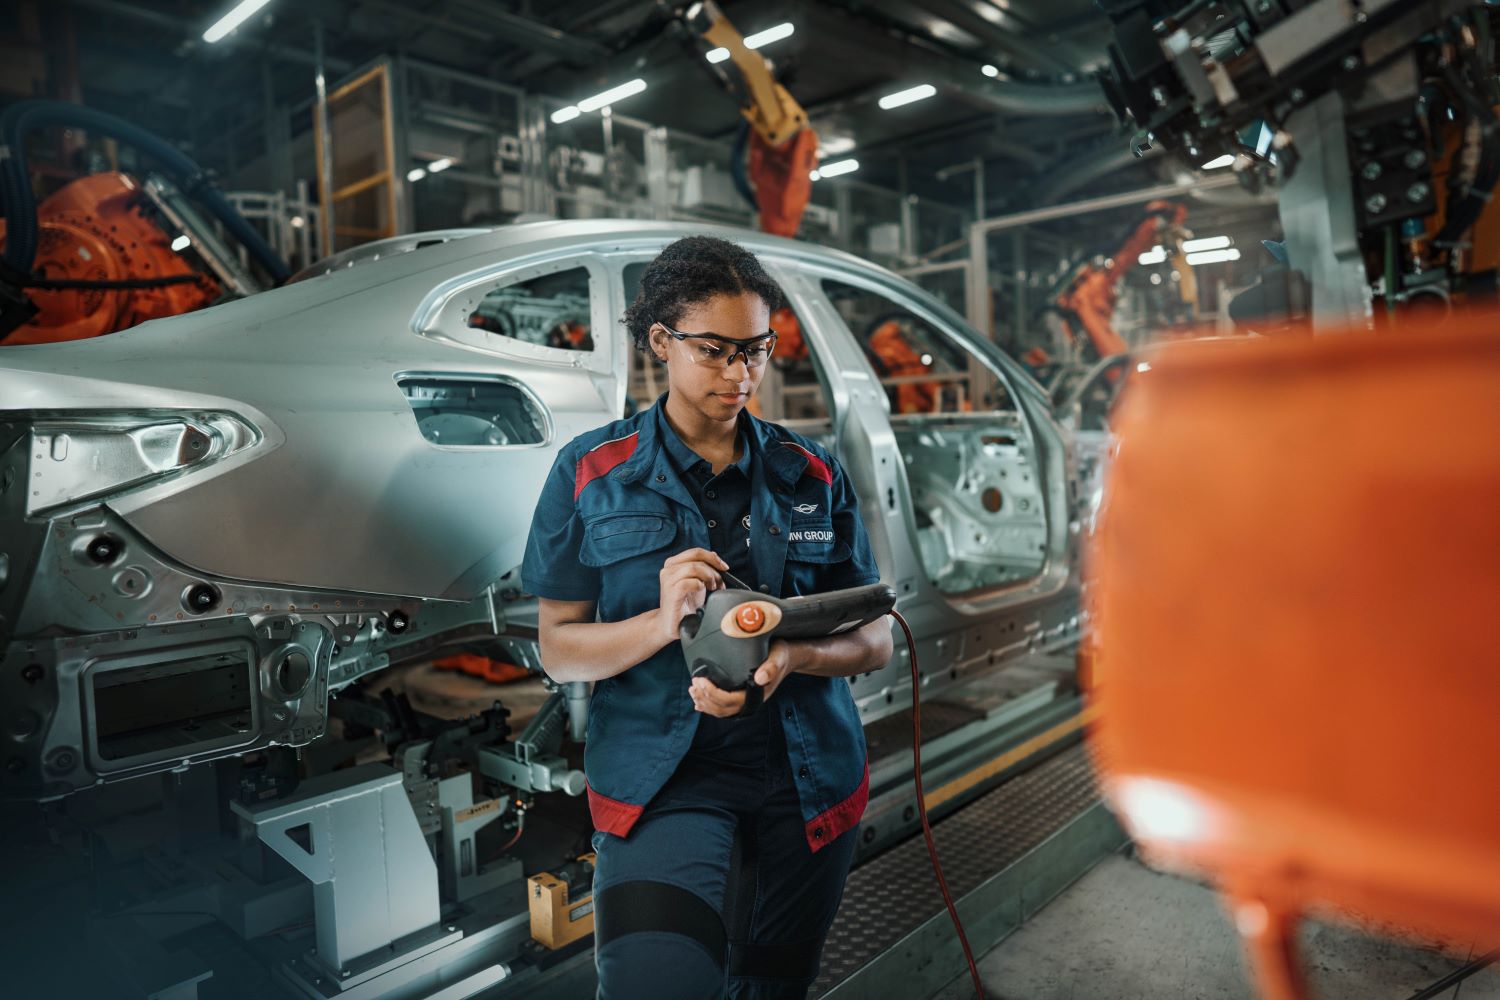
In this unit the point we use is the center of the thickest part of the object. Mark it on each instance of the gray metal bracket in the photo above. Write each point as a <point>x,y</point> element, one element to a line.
<point>354,836</point>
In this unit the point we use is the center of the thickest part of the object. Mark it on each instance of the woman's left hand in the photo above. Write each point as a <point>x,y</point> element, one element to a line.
<point>711,699</point>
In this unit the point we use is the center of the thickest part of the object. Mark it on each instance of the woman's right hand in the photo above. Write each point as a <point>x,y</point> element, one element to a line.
<point>686,579</point>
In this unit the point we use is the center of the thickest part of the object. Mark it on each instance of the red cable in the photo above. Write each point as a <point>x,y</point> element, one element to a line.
<point>916,747</point>
<point>520,829</point>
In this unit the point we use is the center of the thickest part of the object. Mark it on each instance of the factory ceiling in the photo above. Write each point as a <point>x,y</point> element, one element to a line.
<point>1027,121</point>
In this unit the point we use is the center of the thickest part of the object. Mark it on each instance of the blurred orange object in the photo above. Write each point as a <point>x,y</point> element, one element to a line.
<point>494,671</point>
<point>96,229</point>
<point>1297,692</point>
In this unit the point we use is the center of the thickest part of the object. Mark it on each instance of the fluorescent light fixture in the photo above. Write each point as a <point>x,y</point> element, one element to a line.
<point>989,70</point>
<point>773,34</point>
<point>908,96</point>
<point>755,41</point>
<point>181,243</point>
<point>836,168</point>
<point>612,95</point>
<point>835,145</point>
<point>1155,255</point>
<point>416,173</point>
<point>438,166</point>
<point>1219,162</point>
<point>241,13</point>
<point>566,114</point>
<point>1207,243</point>
<point>1213,256</point>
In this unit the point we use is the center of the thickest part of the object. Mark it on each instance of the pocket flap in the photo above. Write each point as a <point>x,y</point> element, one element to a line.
<point>616,537</point>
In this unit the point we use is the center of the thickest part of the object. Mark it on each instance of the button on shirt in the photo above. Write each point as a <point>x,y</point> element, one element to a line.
<point>723,499</point>
<point>724,502</point>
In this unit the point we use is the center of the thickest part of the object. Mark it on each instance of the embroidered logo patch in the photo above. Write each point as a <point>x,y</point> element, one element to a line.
<point>806,508</point>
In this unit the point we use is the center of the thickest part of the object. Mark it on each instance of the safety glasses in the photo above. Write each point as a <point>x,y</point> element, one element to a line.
<point>714,351</point>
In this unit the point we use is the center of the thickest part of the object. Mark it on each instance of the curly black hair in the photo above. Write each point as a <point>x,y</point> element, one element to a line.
<point>693,270</point>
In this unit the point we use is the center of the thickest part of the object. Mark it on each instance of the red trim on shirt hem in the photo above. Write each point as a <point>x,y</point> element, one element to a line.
<point>826,827</point>
<point>600,459</point>
<point>816,467</point>
<point>616,817</point>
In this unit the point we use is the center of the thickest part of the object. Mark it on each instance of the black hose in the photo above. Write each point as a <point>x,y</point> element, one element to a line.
<point>19,120</point>
<point>737,168</point>
<point>1456,976</point>
<point>60,284</point>
<point>1466,203</point>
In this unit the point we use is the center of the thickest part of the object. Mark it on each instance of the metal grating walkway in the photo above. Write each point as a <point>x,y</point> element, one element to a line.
<point>894,894</point>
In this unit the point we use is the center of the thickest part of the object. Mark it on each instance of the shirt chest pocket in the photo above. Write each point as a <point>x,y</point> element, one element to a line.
<point>614,538</point>
<point>814,541</point>
<point>812,550</point>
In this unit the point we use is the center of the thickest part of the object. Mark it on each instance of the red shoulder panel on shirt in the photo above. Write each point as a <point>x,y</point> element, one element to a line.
<point>816,467</point>
<point>600,459</point>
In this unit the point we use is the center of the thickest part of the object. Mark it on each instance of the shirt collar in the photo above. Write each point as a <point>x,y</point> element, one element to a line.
<point>685,458</point>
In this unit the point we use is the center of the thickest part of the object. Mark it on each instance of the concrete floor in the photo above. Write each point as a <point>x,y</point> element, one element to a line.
<point>1124,932</point>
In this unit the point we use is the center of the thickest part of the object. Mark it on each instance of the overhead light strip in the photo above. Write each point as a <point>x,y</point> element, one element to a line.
<point>774,34</point>
<point>241,13</point>
<point>1207,243</point>
<point>909,96</point>
<point>834,169</point>
<point>612,95</point>
<point>1213,257</point>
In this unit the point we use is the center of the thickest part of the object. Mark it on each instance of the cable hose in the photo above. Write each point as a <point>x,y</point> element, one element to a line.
<point>739,170</point>
<point>62,284</point>
<point>19,203</point>
<point>916,747</point>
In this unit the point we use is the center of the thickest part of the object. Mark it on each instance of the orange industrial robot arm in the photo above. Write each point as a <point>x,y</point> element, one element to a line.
<point>1092,295</point>
<point>783,149</point>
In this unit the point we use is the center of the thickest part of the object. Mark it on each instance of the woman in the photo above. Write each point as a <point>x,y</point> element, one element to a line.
<point>725,821</point>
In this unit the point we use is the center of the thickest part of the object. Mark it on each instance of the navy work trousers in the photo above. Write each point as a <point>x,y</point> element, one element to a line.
<point>715,892</point>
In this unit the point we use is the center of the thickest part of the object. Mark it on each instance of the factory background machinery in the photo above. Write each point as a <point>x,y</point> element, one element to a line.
<point>267,733</point>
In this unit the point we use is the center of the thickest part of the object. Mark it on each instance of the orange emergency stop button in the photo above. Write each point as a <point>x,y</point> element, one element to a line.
<point>749,617</point>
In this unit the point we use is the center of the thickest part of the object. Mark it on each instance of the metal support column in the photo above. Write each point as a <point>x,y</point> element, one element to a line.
<point>908,227</point>
<point>658,180</point>
<point>1018,304</point>
<point>536,199</point>
<point>844,209</point>
<point>977,292</point>
<point>1318,217</point>
<point>323,141</point>
<point>979,206</point>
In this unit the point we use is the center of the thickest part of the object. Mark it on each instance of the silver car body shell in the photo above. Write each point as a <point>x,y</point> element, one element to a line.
<point>335,534</point>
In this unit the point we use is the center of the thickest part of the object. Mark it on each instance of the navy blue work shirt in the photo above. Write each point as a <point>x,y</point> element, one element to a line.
<point>615,506</point>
